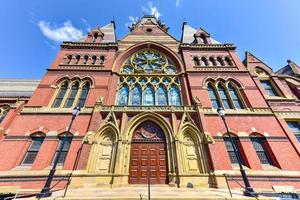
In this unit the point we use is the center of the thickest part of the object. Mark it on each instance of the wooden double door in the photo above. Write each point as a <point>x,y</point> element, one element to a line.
<point>148,156</point>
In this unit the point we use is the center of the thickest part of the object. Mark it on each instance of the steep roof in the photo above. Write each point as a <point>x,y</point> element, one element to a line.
<point>188,33</point>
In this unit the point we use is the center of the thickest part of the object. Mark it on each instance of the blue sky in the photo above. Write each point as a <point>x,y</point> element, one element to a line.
<point>31,31</point>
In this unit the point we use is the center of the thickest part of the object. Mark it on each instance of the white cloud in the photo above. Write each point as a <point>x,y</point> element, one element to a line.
<point>177,3</point>
<point>152,10</point>
<point>67,32</point>
<point>132,20</point>
<point>85,22</point>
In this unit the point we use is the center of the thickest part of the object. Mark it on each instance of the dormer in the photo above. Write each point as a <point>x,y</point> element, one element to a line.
<point>193,36</point>
<point>201,37</point>
<point>95,36</point>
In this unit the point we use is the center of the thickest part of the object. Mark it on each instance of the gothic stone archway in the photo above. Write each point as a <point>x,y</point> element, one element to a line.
<point>148,155</point>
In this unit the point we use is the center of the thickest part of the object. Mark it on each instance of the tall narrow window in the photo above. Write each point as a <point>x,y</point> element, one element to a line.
<point>136,96</point>
<point>260,148</point>
<point>95,37</point>
<point>69,59</point>
<point>94,58</point>
<point>219,61</point>
<point>85,59</point>
<point>234,97</point>
<point>161,96</point>
<point>269,88</point>
<point>224,97</point>
<point>228,61</point>
<point>83,95</point>
<point>295,128</point>
<point>230,150</point>
<point>102,58</point>
<point>196,61</point>
<point>123,96</point>
<point>60,96</point>
<point>203,61</point>
<point>65,149</point>
<point>74,90</point>
<point>211,61</point>
<point>213,97</point>
<point>33,150</point>
<point>148,96</point>
<point>175,98</point>
<point>77,59</point>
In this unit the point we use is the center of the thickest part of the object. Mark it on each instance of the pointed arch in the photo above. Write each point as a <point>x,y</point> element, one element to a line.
<point>174,96</point>
<point>123,95</point>
<point>213,95</point>
<point>136,95</point>
<point>103,151</point>
<point>194,159</point>
<point>224,96</point>
<point>72,94</point>
<point>148,96</point>
<point>161,96</point>
<point>235,96</point>
<point>63,87</point>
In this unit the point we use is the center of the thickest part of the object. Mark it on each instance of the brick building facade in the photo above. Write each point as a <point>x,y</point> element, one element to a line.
<point>149,103</point>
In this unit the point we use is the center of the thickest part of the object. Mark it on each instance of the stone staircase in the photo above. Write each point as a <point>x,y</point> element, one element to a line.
<point>140,192</point>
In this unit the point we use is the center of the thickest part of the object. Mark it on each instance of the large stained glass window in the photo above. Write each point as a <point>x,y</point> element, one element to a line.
<point>161,96</point>
<point>123,95</point>
<point>149,78</point>
<point>148,96</point>
<point>136,95</point>
<point>174,96</point>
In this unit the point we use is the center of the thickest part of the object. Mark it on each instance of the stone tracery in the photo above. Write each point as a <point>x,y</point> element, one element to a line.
<point>149,78</point>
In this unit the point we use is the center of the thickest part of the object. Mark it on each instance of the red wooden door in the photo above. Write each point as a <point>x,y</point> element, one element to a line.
<point>148,156</point>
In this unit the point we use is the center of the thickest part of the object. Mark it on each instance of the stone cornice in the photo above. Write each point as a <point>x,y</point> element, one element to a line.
<point>79,68</point>
<point>85,45</point>
<point>216,69</point>
<point>249,111</point>
<point>47,110</point>
<point>288,114</point>
<point>207,46</point>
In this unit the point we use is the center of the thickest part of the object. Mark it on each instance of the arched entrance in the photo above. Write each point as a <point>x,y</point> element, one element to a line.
<point>148,156</point>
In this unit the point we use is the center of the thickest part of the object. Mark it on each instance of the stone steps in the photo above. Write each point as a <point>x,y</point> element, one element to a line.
<point>157,192</point>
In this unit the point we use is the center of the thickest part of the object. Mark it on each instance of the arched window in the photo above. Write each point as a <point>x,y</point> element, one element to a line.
<point>94,58</point>
<point>65,149</point>
<point>77,59</point>
<point>175,98</point>
<point>123,96</point>
<point>196,61</point>
<point>161,96</point>
<point>235,97</point>
<point>157,78</point>
<point>85,59</point>
<point>33,150</point>
<point>61,94</point>
<point>230,149</point>
<point>224,97</point>
<point>219,61</point>
<point>69,59</point>
<point>148,96</point>
<point>203,39</point>
<point>102,58</point>
<point>83,95</point>
<point>72,95</point>
<point>204,61</point>
<point>259,144</point>
<point>228,61</point>
<point>136,95</point>
<point>95,37</point>
<point>212,61</point>
<point>213,97</point>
